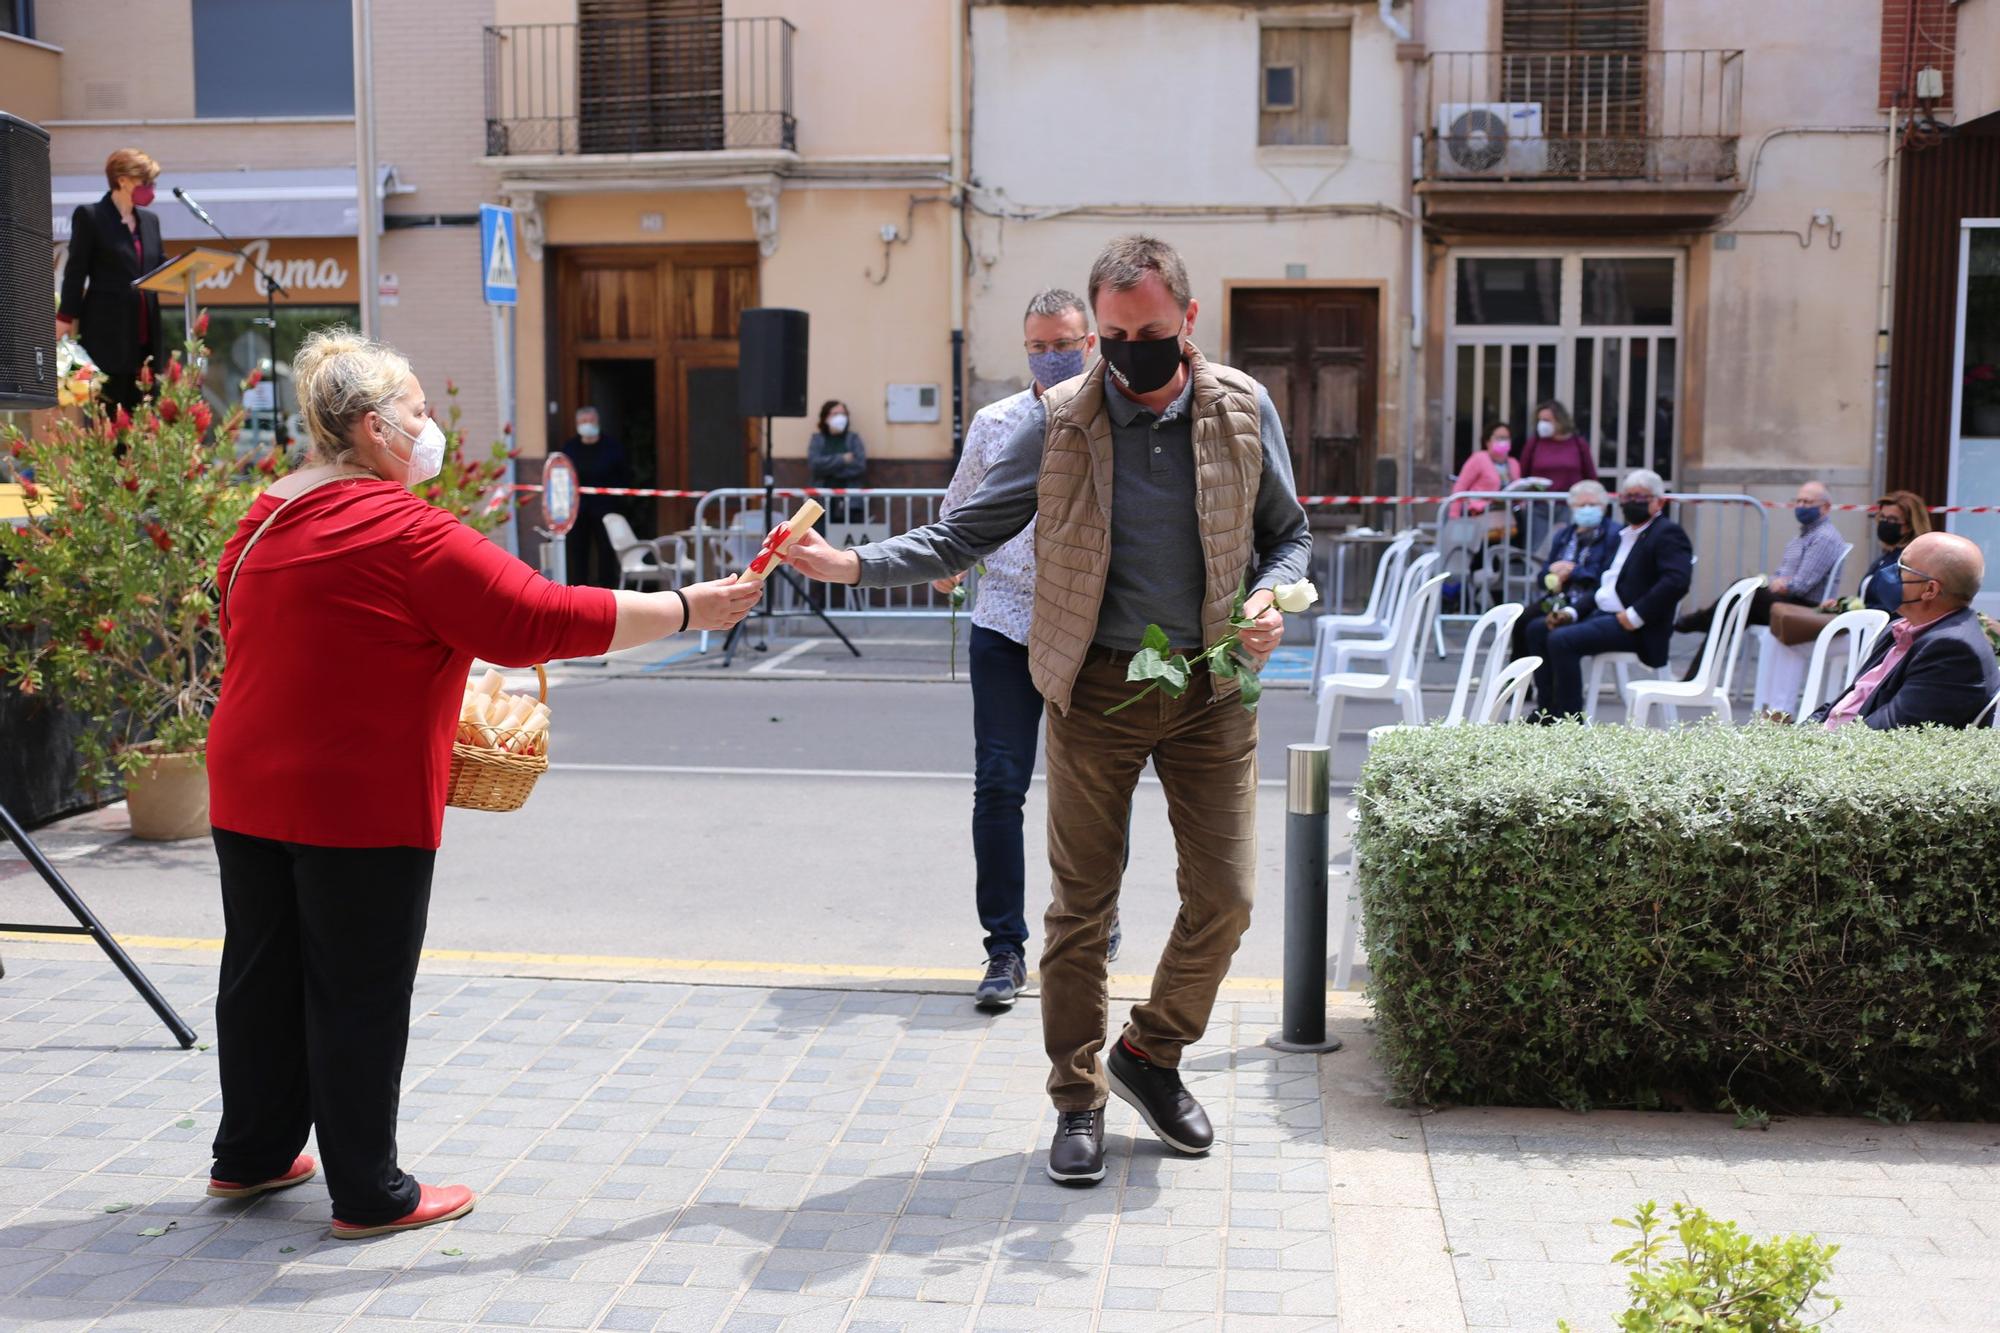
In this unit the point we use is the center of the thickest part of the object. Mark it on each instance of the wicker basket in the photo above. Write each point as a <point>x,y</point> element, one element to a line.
<point>495,780</point>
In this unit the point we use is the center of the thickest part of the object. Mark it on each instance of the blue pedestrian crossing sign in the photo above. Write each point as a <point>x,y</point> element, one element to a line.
<point>501,282</point>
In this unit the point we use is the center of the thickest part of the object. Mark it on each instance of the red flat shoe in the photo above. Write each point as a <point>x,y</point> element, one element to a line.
<point>303,1169</point>
<point>437,1203</point>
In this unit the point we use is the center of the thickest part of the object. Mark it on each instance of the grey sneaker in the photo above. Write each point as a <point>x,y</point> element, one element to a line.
<point>1006,975</point>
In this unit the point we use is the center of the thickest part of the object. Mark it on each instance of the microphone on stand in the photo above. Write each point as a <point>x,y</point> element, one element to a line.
<point>193,207</point>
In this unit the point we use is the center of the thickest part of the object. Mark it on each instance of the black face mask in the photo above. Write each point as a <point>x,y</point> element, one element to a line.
<point>1635,511</point>
<point>1889,532</point>
<point>1143,364</point>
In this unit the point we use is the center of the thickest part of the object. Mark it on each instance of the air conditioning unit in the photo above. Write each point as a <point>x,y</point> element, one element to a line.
<point>1491,139</point>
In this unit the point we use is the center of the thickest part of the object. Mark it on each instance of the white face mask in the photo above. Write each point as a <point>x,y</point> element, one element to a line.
<point>426,452</point>
<point>1545,429</point>
<point>837,423</point>
<point>586,431</point>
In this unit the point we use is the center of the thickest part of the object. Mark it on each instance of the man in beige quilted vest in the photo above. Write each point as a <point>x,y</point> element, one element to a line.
<point>1158,483</point>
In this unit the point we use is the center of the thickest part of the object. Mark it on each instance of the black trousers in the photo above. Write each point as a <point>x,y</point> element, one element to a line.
<point>319,960</point>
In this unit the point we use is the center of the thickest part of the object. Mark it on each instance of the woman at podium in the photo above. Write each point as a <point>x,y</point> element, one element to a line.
<point>112,243</point>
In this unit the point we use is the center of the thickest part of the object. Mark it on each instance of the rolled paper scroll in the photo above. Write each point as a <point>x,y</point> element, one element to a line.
<point>781,538</point>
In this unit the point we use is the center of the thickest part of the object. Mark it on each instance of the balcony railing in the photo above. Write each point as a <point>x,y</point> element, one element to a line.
<point>639,86</point>
<point>1653,116</point>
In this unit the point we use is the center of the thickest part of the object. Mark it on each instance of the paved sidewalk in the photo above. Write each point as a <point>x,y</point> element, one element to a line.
<point>674,1156</point>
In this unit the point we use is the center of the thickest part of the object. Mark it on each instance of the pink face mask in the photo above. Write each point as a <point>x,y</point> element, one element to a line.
<point>143,196</point>
<point>1500,448</point>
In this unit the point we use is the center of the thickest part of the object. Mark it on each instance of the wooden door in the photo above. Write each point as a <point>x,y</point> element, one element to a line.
<point>1314,349</point>
<point>676,307</point>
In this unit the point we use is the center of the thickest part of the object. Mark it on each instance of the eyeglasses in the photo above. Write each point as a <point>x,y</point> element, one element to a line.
<point>1902,568</point>
<point>1038,348</point>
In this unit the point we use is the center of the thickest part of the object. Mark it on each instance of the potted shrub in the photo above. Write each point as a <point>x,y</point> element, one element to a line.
<point>110,599</point>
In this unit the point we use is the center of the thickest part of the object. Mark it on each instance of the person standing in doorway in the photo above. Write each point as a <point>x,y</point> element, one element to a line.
<point>1006,709</point>
<point>838,459</point>
<point>1160,485</point>
<point>1559,454</point>
<point>600,461</point>
<point>111,243</point>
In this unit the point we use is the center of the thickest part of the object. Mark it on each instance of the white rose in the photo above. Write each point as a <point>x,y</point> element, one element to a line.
<point>1296,597</point>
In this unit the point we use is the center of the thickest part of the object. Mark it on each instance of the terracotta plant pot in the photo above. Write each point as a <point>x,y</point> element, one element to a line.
<point>168,798</point>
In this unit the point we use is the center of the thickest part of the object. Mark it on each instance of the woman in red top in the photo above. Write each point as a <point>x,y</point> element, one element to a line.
<point>351,614</point>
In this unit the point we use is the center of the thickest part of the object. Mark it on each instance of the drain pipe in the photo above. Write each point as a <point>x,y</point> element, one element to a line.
<point>1413,292</point>
<point>1394,24</point>
<point>1884,312</point>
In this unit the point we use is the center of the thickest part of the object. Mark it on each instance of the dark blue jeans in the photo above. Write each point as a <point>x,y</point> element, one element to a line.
<point>1559,682</point>
<point>1006,722</point>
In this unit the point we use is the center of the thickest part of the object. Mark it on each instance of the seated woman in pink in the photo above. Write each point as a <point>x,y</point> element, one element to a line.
<point>1489,469</point>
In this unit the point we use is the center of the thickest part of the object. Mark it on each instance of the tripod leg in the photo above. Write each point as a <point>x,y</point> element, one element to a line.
<point>91,926</point>
<point>798,586</point>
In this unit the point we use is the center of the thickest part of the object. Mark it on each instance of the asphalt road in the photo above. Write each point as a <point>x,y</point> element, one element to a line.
<point>768,820</point>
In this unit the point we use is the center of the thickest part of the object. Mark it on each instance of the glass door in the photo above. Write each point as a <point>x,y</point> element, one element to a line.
<point>1975,434</point>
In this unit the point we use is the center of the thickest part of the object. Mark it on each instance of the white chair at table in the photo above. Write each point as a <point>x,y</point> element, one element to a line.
<point>1709,687</point>
<point>1466,707</point>
<point>1347,651</point>
<point>1510,691</point>
<point>1401,682</point>
<point>640,561</point>
<point>1622,663</point>
<point>1861,629</point>
<point>1781,666</point>
<point>1373,620</point>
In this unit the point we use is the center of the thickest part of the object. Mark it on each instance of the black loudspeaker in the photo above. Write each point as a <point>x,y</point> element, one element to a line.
<point>27,314</point>
<point>771,363</point>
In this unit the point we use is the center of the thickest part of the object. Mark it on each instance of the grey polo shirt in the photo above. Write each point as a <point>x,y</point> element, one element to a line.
<point>1156,573</point>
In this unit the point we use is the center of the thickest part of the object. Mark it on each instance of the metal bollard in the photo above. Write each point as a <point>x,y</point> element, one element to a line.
<point>1307,801</point>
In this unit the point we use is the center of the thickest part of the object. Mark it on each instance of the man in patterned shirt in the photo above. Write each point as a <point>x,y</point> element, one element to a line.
<point>1802,570</point>
<point>1006,707</point>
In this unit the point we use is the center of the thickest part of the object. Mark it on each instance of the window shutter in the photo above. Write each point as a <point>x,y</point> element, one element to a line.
<point>649,75</point>
<point>1584,61</point>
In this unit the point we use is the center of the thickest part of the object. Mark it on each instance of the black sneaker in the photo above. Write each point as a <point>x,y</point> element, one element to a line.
<point>1161,1099</point>
<point>1006,975</point>
<point>1076,1154</point>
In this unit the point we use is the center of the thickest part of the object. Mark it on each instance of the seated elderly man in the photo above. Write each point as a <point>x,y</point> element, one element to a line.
<point>1802,570</point>
<point>1632,610</point>
<point>1579,553</point>
<point>1935,664</point>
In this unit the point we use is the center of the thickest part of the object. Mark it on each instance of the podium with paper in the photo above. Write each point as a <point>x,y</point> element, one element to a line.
<point>182,272</point>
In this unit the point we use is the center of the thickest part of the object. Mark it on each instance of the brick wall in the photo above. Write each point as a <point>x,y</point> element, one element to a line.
<point>430,103</point>
<point>1916,34</point>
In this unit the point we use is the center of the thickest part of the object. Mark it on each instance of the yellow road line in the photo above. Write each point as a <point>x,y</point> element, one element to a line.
<point>623,962</point>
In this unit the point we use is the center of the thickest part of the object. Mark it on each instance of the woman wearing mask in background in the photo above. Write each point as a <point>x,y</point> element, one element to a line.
<point>838,458</point>
<point>1579,553</point>
<point>351,612</point>
<point>1471,524</point>
<point>111,243</point>
<point>1558,453</point>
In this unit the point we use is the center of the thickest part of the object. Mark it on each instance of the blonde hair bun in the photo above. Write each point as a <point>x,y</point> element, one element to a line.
<point>341,377</point>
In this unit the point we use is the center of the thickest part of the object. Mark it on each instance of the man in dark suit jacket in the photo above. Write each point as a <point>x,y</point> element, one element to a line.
<point>111,243</point>
<point>1633,608</point>
<point>1936,664</point>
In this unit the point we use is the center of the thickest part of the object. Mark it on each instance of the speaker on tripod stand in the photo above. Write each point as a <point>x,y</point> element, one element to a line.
<point>771,382</point>
<point>27,322</point>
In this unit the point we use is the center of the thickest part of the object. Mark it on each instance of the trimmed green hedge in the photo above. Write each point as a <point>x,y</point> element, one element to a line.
<point>1772,917</point>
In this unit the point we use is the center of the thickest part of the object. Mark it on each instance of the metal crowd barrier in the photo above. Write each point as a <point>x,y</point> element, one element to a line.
<point>728,530</point>
<point>1731,535</point>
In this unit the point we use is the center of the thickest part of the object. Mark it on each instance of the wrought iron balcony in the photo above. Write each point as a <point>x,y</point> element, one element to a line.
<point>639,86</point>
<point>1660,117</point>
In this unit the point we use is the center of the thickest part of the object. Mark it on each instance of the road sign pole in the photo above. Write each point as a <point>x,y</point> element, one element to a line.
<point>503,376</point>
<point>500,288</point>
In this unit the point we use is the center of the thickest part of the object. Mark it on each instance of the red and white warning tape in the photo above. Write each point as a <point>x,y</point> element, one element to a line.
<point>1308,500</point>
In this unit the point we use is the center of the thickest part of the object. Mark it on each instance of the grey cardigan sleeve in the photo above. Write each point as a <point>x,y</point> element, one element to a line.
<point>994,514</point>
<point>1283,539</point>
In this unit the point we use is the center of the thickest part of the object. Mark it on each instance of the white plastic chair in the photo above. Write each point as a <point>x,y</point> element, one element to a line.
<point>1465,706</point>
<point>1376,618</point>
<point>1510,691</point>
<point>1709,687</point>
<point>1622,663</point>
<point>1780,666</point>
<point>1989,715</point>
<point>1346,651</point>
<point>1862,628</point>
<point>1402,681</point>
<point>639,561</point>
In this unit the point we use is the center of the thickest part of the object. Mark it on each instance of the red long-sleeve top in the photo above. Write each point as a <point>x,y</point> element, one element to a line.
<point>349,637</point>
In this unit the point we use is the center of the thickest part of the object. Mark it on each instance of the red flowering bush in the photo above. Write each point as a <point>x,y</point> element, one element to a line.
<point>108,599</point>
<point>471,488</point>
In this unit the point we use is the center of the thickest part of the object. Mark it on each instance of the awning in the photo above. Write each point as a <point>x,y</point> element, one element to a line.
<point>309,201</point>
